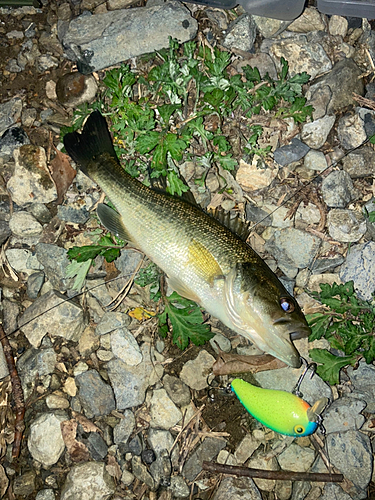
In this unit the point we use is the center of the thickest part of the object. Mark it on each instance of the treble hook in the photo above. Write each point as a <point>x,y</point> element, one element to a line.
<point>215,388</point>
<point>296,391</point>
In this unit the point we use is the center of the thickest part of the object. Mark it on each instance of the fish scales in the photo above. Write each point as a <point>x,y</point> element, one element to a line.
<point>202,258</point>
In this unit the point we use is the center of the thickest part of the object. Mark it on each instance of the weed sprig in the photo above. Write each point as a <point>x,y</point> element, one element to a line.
<point>348,325</point>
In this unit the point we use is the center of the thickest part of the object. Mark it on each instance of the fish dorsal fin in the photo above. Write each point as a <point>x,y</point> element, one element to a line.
<point>234,224</point>
<point>112,221</point>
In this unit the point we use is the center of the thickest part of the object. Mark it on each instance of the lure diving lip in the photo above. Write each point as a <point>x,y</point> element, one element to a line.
<point>281,411</point>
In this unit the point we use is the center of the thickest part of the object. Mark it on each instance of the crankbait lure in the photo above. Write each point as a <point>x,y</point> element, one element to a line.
<point>281,411</point>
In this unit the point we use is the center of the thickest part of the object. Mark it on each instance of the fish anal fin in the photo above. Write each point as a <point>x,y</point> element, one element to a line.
<point>204,262</point>
<point>112,221</point>
<point>182,289</point>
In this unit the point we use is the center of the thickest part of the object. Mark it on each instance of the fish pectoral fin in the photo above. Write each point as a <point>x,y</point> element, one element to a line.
<point>112,221</point>
<point>204,262</point>
<point>182,289</point>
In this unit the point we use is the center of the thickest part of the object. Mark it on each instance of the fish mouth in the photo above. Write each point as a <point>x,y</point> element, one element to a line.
<point>299,330</point>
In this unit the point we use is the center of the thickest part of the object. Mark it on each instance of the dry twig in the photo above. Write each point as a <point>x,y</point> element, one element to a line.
<point>284,475</point>
<point>17,394</point>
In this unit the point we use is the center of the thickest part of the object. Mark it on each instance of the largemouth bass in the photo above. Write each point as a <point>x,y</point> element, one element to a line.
<point>203,259</point>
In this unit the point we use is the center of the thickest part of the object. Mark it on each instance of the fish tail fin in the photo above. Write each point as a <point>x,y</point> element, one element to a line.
<point>94,140</point>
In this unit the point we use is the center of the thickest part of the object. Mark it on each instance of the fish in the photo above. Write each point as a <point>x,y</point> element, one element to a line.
<point>204,260</point>
<point>280,411</point>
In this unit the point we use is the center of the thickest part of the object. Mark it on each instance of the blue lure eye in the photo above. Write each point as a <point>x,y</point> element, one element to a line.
<point>287,304</point>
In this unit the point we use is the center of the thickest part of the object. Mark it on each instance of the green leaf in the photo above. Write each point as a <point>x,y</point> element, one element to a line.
<point>331,365</point>
<point>186,320</point>
<point>318,323</point>
<point>78,270</point>
<point>148,141</point>
<point>166,111</point>
<point>82,254</point>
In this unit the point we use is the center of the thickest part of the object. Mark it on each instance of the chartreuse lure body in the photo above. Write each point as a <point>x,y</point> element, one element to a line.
<point>281,411</point>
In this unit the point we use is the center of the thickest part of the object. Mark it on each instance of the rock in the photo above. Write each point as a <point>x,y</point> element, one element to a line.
<point>88,342</point>
<point>56,402</point>
<point>362,380</point>
<point>94,394</point>
<point>35,363</point>
<point>104,40</point>
<point>161,469</point>
<point>194,372</point>
<point>74,89</point>
<point>206,451</point>
<point>5,231</point>
<point>47,494</point>
<point>301,56</point>
<point>52,313</point>
<point>268,27</point>
<point>241,33</point>
<point>264,463</point>
<point>309,20</point>
<point>111,321</point>
<point>164,413</point>
<point>46,451</point>
<point>125,347</point>
<point>11,140</point>
<point>76,215</point>
<point>10,113</point>
<point>130,382</point>
<point>343,415</point>
<point>220,342</point>
<point>256,175</point>
<point>344,79</point>
<point>315,160</point>
<point>296,458</point>
<point>315,133</point>
<point>346,225</point>
<point>326,264</point>
<point>54,261</point>
<point>24,485</point>
<point>140,472</point>
<point>31,181</point>
<point>338,189</point>
<point>334,492</point>
<point>291,152</point>
<point>24,225</point>
<point>351,453</point>
<point>177,390</point>
<point>319,100</point>
<point>88,481</point>
<point>96,446</point>
<point>293,249</point>
<point>358,267</point>
<point>124,428</point>
<point>237,488</point>
<point>246,448</point>
<point>160,440</point>
<point>178,487</point>
<point>351,131</point>
<point>338,25</point>
<point>360,163</point>
<point>34,284</point>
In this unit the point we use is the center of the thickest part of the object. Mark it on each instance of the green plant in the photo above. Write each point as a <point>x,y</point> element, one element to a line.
<point>348,325</point>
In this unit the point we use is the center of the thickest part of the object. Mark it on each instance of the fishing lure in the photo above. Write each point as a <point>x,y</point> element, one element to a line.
<point>281,411</point>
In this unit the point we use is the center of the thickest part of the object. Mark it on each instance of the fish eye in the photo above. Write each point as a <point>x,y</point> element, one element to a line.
<point>299,429</point>
<point>287,304</point>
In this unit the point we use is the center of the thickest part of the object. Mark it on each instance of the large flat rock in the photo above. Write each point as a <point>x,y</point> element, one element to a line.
<point>102,40</point>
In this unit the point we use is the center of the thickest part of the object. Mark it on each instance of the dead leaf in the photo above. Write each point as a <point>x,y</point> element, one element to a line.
<point>113,468</point>
<point>78,451</point>
<point>87,425</point>
<point>141,314</point>
<point>62,174</point>
<point>236,363</point>
<point>4,481</point>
